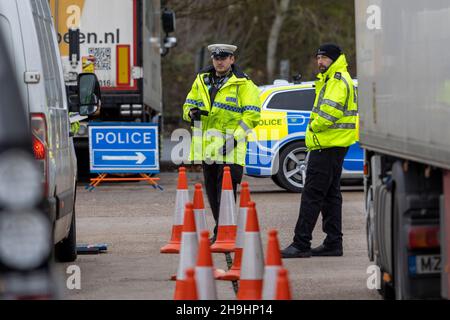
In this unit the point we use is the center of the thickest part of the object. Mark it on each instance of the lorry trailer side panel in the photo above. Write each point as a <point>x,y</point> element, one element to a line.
<point>404,86</point>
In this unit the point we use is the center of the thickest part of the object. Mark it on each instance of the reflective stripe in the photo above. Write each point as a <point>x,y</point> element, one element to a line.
<point>245,126</point>
<point>348,93</point>
<point>195,103</point>
<point>350,113</point>
<point>198,133</point>
<point>333,104</point>
<point>251,108</point>
<point>343,126</point>
<point>227,107</point>
<point>321,95</point>
<point>327,116</point>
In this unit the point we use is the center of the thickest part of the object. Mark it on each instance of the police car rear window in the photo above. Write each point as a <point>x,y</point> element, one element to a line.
<point>298,100</point>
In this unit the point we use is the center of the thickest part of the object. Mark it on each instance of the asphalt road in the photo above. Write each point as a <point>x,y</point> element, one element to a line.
<point>135,221</point>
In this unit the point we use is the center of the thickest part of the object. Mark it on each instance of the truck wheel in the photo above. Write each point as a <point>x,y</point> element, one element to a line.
<point>292,167</point>
<point>66,250</point>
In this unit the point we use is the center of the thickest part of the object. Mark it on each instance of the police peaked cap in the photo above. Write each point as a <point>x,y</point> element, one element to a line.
<point>222,49</point>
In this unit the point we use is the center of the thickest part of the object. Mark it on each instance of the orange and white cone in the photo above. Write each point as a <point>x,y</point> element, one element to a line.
<point>204,270</point>
<point>235,272</point>
<point>182,198</point>
<point>190,286</point>
<point>199,210</point>
<point>283,288</point>
<point>188,250</point>
<point>273,265</point>
<point>226,232</point>
<point>252,272</point>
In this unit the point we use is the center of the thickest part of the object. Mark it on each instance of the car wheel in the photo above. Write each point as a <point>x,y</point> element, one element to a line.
<point>292,167</point>
<point>276,181</point>
<point>66,250</point>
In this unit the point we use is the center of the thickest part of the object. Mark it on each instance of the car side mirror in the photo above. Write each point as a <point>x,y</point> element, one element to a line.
<point>89,94</point>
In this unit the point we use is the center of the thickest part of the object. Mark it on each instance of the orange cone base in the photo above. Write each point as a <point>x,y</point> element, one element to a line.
<point>232,275</point>
<point>226,240</point>
<point>235,272</point>
<point>217,273</point>
<point>179,290</point>
<point>250,290</point>
<point>173,247</point>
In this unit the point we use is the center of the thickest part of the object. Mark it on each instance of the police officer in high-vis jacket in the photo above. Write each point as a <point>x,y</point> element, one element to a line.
<point>332,129</point>
<point>223,106</point>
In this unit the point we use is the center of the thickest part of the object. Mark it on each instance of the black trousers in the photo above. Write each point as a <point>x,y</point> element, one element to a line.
<point>213,174</point>
<point>322,193</point>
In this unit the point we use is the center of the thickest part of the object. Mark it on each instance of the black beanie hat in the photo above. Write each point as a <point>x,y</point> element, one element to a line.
<point>330,50</point>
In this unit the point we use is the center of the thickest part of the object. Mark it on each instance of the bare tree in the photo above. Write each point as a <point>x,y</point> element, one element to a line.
<point>272,44</point>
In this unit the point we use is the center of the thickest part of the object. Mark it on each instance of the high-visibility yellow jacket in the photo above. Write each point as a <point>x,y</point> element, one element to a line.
<point>235,112</point>
<point>333,121</point>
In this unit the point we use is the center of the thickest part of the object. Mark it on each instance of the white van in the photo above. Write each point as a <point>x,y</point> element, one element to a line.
<point>28,29</point>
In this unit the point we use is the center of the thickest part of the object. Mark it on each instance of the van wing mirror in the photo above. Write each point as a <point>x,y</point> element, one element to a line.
<point>89,94</point>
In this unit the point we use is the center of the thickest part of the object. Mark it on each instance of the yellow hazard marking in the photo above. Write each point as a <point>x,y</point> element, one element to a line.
<point>123,65</point>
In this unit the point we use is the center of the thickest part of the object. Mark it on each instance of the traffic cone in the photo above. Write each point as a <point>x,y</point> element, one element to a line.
<point>182,198</point>
<point>283,288</point>
<point>234,273</point>
<point>250,286</point>
<point>204,270</point>
<point>273,265</point>
<point>226,233</point>
<point>190,286</point>
<point>199,210</point>
<point>188,249</point>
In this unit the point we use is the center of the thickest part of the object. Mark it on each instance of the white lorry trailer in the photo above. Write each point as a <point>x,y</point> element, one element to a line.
<point>404,101</point>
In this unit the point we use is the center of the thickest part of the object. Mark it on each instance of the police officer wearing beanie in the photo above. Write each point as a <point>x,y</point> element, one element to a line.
<point>223,107</point>
<point>331,130</point>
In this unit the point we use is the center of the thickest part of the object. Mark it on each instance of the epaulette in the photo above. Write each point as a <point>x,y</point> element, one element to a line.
<point>338,75</point>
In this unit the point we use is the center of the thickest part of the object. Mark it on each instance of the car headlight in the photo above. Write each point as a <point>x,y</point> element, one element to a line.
<point>21,180</point>
<point>25,239</point>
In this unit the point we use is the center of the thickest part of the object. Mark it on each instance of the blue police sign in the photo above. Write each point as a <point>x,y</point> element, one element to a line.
<point>123,148</point>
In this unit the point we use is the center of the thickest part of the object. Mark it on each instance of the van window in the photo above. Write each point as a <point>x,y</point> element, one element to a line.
<point>47,45</point>
<point>298,100</point>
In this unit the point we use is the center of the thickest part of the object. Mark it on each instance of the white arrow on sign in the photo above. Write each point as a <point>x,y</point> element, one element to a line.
<point>139,158</point>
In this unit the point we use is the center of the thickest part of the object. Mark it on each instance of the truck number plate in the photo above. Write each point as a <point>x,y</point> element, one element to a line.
<point>429,264</point>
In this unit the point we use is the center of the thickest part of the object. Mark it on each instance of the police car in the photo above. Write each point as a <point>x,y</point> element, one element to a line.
<point>276,147</point>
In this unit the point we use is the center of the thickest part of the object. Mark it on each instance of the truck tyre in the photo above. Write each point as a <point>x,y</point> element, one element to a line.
<point>66,250</point>
<point>291,163</point>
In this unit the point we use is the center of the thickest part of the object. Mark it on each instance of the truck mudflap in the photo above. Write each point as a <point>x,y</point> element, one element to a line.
<point>445,236</point>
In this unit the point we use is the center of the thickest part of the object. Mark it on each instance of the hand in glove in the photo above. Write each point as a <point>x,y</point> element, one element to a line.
<point>195,114</point>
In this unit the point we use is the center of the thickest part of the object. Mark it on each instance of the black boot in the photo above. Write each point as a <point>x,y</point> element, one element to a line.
<point>323,251</point>
<point>294,252</point>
